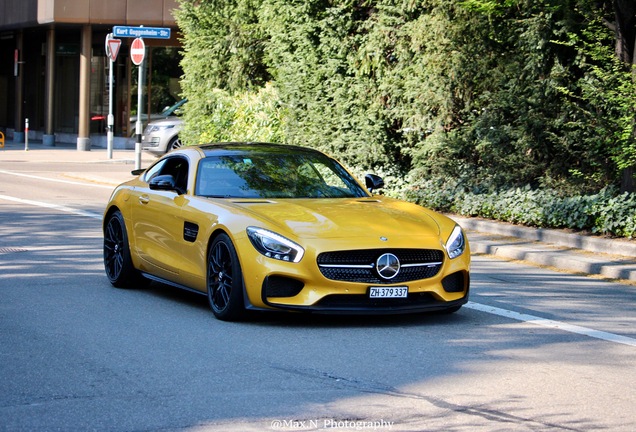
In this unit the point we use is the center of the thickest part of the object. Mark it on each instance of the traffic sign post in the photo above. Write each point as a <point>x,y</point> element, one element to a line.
<point>112,49</point>
<point>137,55</point>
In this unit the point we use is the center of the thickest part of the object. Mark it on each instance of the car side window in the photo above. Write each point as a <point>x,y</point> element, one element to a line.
<point>154,171</point>
<point>176,166</point>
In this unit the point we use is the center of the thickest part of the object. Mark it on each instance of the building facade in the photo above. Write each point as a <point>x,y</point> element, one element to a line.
<point>54,69</point>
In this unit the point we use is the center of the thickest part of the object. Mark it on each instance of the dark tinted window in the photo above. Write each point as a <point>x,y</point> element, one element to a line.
<point>174,166</point>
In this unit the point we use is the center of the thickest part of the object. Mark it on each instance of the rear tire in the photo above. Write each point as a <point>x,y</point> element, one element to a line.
<point>117,261</point>
<point>225,280</point>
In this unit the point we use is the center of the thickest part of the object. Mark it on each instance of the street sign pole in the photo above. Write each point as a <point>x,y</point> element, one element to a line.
<point>112,49</point>
<point>138,125</point>
<point>110,122</point>
<point>111,118</point>
<point>138,54</point>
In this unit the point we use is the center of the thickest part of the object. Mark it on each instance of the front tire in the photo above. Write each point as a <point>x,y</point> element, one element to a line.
<point>225,280</point>
<point>117,261</point>
<point>174,144</point>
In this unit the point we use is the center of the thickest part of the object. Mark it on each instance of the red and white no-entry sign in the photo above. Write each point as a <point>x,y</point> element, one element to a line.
<point>137,51</point>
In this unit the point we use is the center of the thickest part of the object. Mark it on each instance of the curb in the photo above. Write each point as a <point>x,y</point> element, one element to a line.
<point>622,247</point>
<point>609,258</point>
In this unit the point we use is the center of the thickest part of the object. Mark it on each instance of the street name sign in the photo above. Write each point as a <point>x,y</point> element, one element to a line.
<point>142,32</point>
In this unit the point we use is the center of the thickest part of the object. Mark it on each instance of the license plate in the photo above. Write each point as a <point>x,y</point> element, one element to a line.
<point>388,292</point>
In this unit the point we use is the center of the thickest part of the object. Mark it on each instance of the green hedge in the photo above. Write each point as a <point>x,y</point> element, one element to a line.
<point>252,115</point>
<point>606,213</point>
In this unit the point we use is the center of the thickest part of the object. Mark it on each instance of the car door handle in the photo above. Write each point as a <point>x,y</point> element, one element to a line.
<point>144,199</point>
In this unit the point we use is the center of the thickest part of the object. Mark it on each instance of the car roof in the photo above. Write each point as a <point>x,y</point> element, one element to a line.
<point>230,148</point>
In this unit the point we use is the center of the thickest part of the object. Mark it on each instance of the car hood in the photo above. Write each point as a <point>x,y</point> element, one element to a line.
<point>346,218</point>
<point>167,121</point>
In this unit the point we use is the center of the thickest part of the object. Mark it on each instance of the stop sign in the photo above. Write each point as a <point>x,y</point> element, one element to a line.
<point>138,51</point>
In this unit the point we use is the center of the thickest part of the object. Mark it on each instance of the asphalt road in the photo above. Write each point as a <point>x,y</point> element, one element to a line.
<point>534,350</point>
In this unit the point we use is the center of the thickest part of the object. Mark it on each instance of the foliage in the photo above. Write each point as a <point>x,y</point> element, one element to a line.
<point>604,97</point>
<point>536,109</point>
<point>249,116</point>
<point>223,70</point>
<point>223,45</point>
<point>330,107</point>
<point>605,212</point>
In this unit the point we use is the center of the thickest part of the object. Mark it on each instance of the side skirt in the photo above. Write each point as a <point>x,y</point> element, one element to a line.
<point>247,303</point>
<point>174,284</point>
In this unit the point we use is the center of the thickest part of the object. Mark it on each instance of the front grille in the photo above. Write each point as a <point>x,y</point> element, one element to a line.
<point>360,265</point>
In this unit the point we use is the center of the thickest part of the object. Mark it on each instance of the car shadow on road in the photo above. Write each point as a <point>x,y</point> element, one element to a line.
<point>303,320</point>
<point>311,320</point>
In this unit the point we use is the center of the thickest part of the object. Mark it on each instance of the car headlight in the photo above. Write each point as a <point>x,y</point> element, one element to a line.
<point>274,246</point>
<point>456,243</point>
<point>154,128</point>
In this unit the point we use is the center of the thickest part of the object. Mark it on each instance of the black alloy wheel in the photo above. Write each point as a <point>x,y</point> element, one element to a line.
<point>117,262</point>
<point>225,280</point>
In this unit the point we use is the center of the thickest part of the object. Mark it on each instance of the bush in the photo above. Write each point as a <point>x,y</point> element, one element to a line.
<point>606,213</point>
<point>253,115</point>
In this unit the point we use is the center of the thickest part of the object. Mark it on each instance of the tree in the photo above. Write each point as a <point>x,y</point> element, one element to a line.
<point>625,28</point>
<point>223,46</point>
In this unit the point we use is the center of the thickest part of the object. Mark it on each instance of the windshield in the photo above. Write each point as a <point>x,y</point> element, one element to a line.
<point>174,110</point>
<point>275,175</point>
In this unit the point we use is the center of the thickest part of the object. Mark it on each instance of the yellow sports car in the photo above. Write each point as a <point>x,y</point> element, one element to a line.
<point>258,226</point>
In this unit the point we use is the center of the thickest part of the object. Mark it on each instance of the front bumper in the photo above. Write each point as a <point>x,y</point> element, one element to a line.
<point>357,301</point>
<point>303,287</point>
<point>356,304</point>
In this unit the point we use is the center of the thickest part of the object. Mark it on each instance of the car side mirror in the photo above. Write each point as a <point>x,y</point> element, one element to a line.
<point>373,182</point>
<point>163,182</point>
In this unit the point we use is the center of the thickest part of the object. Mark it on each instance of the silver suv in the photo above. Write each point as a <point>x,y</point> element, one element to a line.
<point>161,136</point>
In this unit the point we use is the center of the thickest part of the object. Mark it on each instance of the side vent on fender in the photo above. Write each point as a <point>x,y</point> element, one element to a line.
<point>190,231</point>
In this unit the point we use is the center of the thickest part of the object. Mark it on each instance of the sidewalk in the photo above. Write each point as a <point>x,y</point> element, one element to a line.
<point>609,258</point>
<point>105,171</point>
<point>63,152</point>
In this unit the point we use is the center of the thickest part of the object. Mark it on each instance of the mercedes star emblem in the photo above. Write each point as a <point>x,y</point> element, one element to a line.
<point>388,266</point>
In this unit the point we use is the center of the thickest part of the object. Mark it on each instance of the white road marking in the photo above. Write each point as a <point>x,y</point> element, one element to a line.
<point>52,206</point>
<point>532,319</point>
<point>17,174</point>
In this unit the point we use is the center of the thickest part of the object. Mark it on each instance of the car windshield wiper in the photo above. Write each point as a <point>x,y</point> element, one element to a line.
<point>218,196</point>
